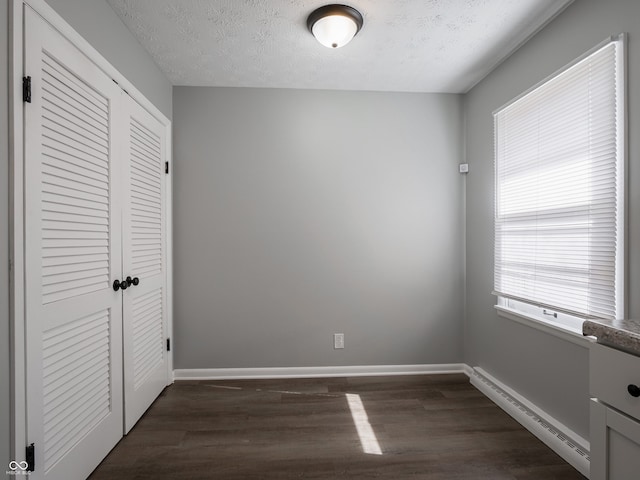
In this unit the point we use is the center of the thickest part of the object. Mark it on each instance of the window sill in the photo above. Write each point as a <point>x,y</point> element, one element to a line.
<point>558,330</point>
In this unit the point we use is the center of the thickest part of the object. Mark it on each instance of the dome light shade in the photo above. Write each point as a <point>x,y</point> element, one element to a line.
<point>334,25</point>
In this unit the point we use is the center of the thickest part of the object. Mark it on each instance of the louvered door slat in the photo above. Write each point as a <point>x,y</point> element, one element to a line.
<point>73,261</point>
<point>75,92</point>
<point>144,159</point>
<point>52,226</point>
<point>155,212</point>
<point>145,176</point>
<point>68,367</point>
<point>70,233</point>
<point>142,165</point>
<point>57,220</point>
<point>146,204</point>
<point>145,170</point>
<point>142,169</point>
<point>145,323</point>
<point>142,215</point>
<point>56,115</point>
<point>71,143</point>
<point>145,189</point>
<point>70,174</point>
<point>144,140</point>
<point>78,187</point>
<point>100,202</point>
<point>93,363</point>
<point>76,251</point>
<point>93,358</point>
<point>82,206</point>
<point>82,122</point>
<point>88,94</point>
<point>68,133</point>
<point>149,211</point>
<point>79,387</point>
<point>77,273</point>
<point>74,111</point>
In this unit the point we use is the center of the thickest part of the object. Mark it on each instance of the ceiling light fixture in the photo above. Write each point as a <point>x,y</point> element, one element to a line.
<point>334,25</point>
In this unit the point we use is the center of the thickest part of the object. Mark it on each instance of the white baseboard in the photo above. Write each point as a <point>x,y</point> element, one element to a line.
<point>557,436</point>
<point>310,372</point>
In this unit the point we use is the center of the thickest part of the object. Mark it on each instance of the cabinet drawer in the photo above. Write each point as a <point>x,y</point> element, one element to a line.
<point>610,374</point>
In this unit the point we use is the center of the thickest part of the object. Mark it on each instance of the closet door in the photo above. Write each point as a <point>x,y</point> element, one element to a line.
<point>72,255</point>
<point>144,251</point>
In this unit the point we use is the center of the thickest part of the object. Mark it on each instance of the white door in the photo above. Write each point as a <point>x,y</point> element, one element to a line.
<point>72,255</point>
<point>144,261</point>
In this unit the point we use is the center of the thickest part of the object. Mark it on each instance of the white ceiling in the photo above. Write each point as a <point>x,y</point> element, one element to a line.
<point>404,45</point>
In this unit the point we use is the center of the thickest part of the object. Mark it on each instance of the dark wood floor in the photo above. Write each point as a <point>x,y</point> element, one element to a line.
<point>436,427</point>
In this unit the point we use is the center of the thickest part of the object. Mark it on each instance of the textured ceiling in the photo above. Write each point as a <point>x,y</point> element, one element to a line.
<point>405,45</point>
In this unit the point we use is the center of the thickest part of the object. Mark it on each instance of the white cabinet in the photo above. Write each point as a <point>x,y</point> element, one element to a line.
<point>615,444</point>
<point>615,424</point>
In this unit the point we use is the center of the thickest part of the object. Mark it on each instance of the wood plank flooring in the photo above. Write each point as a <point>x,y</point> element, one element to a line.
<point>433,427</point>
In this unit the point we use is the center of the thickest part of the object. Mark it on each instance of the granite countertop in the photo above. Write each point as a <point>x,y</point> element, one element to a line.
<point>620,334</point>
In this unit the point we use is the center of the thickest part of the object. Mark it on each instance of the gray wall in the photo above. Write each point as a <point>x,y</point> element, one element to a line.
<point>298,214</point>
<point>4,239</point>
<point>96,21</point>
<point>550,372</point>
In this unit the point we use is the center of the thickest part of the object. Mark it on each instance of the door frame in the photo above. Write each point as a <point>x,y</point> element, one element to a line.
<point>18,386</point>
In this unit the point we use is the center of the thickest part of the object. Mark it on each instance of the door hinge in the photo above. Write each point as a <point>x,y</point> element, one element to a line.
<point>168,344</point>
<point>166,167</point>
<point>26,89</point>
<point>30,458</point>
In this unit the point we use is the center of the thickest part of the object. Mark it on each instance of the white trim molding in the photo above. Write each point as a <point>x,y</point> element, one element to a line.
<point>553,433</point>
<point>551,328</point>
<point>310,372</point>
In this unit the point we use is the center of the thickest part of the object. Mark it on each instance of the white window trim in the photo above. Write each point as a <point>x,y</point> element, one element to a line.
<point>557,329</point>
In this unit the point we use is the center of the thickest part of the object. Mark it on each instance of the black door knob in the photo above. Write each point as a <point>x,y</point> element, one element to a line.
<point>633,390</point>
<point>136,280</point>
<point>133,281</point>
<point>117,285</point>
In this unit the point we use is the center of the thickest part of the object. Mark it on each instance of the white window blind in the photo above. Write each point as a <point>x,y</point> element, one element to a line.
<point>559,190</point>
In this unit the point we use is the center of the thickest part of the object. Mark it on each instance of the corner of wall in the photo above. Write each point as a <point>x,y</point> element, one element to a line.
<point>467,358</point>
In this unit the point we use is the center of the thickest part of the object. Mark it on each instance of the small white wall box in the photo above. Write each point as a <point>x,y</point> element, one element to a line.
<point>464,168</point>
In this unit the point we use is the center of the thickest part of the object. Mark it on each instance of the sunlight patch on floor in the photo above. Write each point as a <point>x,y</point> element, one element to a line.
<point>367,436</point>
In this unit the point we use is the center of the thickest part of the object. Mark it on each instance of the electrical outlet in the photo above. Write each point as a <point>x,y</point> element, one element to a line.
<point>338,340</point>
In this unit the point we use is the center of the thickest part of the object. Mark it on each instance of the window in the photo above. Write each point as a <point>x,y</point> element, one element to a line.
<point>559,210</point>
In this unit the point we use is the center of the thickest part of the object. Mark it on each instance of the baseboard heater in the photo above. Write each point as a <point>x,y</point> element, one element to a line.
<point>555,435</point>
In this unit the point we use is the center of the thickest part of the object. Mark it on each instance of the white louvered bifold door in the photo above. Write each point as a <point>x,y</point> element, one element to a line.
<point>72,255</point>
<point>144,249</point>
